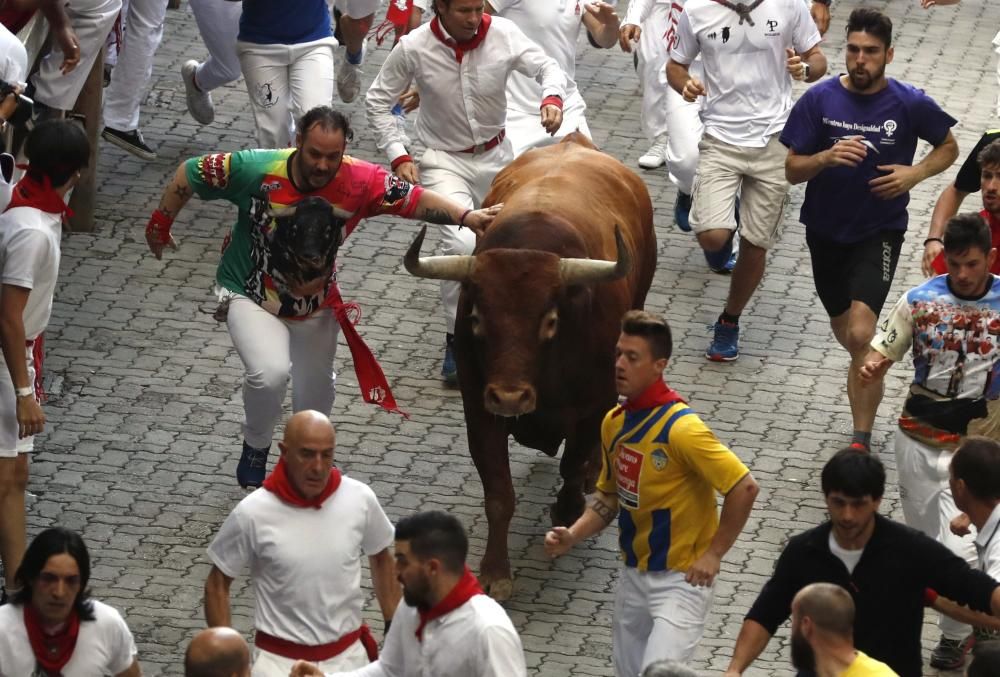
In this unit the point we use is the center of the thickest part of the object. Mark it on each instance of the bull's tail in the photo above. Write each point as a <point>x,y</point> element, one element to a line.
<point>579,138</point>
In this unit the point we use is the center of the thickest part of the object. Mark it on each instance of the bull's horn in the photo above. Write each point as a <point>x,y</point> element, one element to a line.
<point>590,271</point>
<point>457,268</point>
<point>279,212</point>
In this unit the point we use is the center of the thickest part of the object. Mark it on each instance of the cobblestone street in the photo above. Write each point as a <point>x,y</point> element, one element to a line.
<point>145,411</point>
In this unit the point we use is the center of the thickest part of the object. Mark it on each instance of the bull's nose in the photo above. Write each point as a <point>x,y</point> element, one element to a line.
<point>510,400</point>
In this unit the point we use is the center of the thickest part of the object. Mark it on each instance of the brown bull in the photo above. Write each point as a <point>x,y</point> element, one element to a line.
<point>572,249</point>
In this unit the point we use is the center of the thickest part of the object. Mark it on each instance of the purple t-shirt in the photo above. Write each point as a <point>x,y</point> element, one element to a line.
<point>839,204</point>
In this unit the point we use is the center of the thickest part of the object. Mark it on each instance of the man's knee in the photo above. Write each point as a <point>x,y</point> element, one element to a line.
<point>268,377</point>
<point>714,240</point>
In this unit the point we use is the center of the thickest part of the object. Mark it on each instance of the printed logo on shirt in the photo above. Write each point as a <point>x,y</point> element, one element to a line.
<point>628,467</point>
<point>889,126</point>
<point>659,458</point>
<point>396,190</point>
<point>772,28</point>
<point>214,170</point>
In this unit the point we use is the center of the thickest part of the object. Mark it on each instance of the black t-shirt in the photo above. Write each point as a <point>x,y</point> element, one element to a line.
<point>969,175</point>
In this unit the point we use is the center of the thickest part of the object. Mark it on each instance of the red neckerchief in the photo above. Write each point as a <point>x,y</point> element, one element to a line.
<point>655,395</point>
<point>462,47</point>
<point>30,192</point>
<point>52,652</point>
<point>466,588</point>
<point>277,483</point>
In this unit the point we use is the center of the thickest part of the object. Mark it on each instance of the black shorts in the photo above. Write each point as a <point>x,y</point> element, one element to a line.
<point>860,271</point>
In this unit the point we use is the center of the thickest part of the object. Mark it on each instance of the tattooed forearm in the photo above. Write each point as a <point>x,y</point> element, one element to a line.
<point>182,192</point>
<point>603,510</point>
<point>432,215</point>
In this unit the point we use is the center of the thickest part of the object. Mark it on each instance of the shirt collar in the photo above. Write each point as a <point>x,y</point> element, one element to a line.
<point>989,529</point>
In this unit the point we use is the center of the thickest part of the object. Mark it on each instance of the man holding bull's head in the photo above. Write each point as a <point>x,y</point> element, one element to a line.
<point>661,468</point>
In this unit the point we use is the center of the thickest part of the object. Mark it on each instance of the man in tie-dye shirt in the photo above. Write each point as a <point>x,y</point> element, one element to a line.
<point>276,276</point>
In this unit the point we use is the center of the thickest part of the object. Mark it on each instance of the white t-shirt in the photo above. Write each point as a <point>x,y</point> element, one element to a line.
<point>305,564</point>
<point>13,57</point>
<point>475,640</point>
<point>988,545</point>
<point>103,647</point>
<point>749,89</point>
<point>29,258</point>
<point>850,558</point>
<point>555,25</point>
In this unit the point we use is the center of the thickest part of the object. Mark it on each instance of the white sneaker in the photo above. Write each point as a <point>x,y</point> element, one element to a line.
<point>199,103</point>
<point>656,156</point>
<point>349,76</point>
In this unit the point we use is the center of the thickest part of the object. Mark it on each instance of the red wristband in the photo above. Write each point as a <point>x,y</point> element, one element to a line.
<point>552,101</point>
<point>930,596</point>
<point>461,220</point>
<point>402,159</point>
<point>159,226</point>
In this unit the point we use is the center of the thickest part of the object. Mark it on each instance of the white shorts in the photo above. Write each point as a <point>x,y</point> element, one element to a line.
<point>658,616</point>
<point>273,665</point>
<point>10,445</point>
<point>356,9</point>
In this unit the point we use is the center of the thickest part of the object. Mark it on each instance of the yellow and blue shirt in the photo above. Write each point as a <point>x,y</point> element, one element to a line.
<point>665,466</point>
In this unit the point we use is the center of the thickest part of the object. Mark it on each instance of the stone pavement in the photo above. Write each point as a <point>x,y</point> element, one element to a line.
<point>144,422</point>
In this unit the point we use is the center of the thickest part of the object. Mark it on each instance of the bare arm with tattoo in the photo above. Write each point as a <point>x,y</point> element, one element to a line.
<point>175,196</point>
<point>601,512</point>
<point>436,208</point>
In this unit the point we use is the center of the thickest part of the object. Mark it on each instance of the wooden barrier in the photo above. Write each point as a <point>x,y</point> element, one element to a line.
<point>89,105</point>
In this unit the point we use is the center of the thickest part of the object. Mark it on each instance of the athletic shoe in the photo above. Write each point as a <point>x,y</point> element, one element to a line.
<point>252,467</point>
<point>860,446</point>
<point>682,211</point>
<point>129,141</point>
<point>949,654</point>
<point>449,370</point>
<point>725,346</point>
<point>199,103</point>
<point>349,76</point>
<point>656,155</point>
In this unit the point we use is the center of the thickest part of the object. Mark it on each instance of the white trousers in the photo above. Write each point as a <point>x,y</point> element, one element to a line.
<point>525,130</point>
<point>465,178</point>
<point>357,9</point>
<point>219,24</point>
<point>273,665</point>
<point>652,51</point>
<point>272,350</point>
<point>10,445</point>
<point>686,128</point>
<point>91,21</point>
<point>658,616</point>
<point>283,81</point>
<point>929,506</point>
<point>143,24</point>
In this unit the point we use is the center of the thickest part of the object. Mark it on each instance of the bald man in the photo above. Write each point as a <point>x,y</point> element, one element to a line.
<point>301,536</point>
<point>217,652</point>
<point>823,635</point>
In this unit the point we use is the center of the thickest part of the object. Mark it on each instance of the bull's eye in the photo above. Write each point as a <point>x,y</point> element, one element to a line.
<point>474,324</point>
<point>550,324</point>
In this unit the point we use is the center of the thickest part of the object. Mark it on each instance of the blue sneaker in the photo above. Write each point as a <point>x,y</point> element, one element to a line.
<point>449,370</point>
<point>725,346</point>
<point>682,211</point>
<point>252,467</point>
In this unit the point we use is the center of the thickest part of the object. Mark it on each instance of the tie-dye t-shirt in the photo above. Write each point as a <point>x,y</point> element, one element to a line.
<point>255,180</point>
<point>956,360</point>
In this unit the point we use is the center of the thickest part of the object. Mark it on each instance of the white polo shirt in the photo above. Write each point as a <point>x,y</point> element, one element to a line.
<point>305,564</point>
<point>988,545</point>
<point>475,640</point>
<point>104,645</point>
<point>462,104</point>
<point>29,258</point>
<point>749,89</point>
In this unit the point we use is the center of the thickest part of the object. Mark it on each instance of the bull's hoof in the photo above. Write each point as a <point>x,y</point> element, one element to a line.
<point>499,589</point>
<point>564,513</point>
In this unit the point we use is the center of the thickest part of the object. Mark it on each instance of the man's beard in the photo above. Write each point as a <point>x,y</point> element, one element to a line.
<point>803,656</point>
<point>417,594</point>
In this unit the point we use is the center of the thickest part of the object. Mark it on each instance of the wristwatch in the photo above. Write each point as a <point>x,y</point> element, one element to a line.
<point>805,71</point>
<point>27,391</point>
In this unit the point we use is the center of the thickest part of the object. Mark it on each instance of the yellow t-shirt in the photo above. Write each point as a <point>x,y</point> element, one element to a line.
<point>863,666</point>
<point>665,466</point>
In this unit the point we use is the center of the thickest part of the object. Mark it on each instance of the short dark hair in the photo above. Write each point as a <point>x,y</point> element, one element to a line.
<point>327,119</point>
<point>977,463</point>
<point>965,231</point>
<point>651,327</point>
<point>435,534</point>
<point>985,660</point>
<point>56,150</point>
<point>871,21</point>
<point>855,473</point>
<point>55,541</point>
<point>989,156</point>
